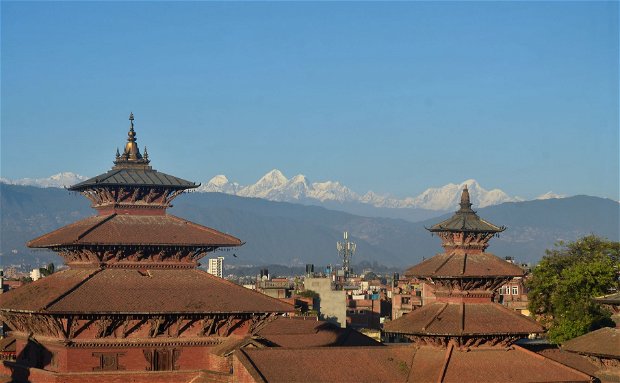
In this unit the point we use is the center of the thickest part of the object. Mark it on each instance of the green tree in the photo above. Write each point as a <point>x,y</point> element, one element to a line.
<point>48,270</point>
<point>563,284</point>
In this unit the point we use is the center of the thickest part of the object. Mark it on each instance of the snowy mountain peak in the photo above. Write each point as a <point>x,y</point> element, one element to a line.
<point>60,180</point>
<point>300,178</point>
<point>275,176</point>
<point>276,187</point>
<point>448,196</point>
<point>219,180</point>
<point>550,195</point>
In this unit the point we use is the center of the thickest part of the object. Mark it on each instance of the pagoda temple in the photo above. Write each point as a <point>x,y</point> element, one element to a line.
<point>463,335</point>
<point>132,306</point>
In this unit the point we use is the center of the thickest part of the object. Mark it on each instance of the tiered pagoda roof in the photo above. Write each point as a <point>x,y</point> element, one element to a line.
<point>463,319</point>
<point>464,265</point>
<point>464,278</point>
<point>138,291</point>
<point>133,282</point>
<point>134,230</point>
<point>463,335</point>
<point>466,220</point>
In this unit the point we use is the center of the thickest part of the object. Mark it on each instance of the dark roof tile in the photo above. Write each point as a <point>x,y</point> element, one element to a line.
<point>134,177</point>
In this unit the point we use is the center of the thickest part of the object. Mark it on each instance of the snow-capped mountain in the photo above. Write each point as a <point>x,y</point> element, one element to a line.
<point>276,187</point>
<point>447,196</point>
<point>219,184</point>
<point>550,195</point>
<point>59,180</point>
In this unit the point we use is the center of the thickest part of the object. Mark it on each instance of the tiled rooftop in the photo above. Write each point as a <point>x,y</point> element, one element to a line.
<point>137,291</point>
<point>459,265</point>
<point>134,177</point>
<point>602,342</point>
<point>404,364</point>
<point>440,318</point>
<point>118,229</point>
<point>299,333</point>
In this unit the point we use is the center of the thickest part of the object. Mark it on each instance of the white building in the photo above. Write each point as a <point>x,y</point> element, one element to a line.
<point>216,266</point>
<point>35,274</point>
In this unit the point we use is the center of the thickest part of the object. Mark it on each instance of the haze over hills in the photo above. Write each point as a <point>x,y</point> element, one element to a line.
<point>295,234</point>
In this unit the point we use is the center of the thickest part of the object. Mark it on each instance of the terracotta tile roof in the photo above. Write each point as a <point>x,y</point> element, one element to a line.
<point>298,333</point>
<point>458,265</point>
<point>134,177</point>
<point>488,364</point>
<point>35,296</point>
<point>440,318</point>
<point>602,342</point>
<point>570,359</point>
<point>329,364</point>
<point>404,364</point>
<point>138,291</point>
<point>117,229</point>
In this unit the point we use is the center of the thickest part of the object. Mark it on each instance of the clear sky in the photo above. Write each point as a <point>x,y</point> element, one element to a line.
<point>389,97</point>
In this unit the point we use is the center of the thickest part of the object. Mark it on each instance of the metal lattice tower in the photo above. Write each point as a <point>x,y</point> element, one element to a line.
<point>346,249</point>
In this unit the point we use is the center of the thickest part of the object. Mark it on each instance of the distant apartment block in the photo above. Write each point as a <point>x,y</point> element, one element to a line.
<point>216,266</point>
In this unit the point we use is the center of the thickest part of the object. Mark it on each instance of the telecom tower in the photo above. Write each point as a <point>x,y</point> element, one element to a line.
<point>346,249</point>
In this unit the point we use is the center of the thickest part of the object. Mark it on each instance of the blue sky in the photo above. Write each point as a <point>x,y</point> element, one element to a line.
<point>389,97</point>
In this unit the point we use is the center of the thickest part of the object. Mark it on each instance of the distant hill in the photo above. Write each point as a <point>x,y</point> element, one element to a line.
<point>294,234</point>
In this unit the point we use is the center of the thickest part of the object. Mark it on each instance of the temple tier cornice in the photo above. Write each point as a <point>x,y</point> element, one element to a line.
<point>127,238</point>
<point>110,197</point>
<point>133,256</point>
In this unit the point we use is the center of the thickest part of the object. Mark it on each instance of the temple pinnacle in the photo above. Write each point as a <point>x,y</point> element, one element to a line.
<point>465,202</point>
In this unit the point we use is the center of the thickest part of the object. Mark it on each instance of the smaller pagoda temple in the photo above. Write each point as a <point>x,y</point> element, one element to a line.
<point>463,335</point>
<point>132,306</point>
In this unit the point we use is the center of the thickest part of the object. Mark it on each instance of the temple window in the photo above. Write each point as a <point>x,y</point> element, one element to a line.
<point>108,361</point>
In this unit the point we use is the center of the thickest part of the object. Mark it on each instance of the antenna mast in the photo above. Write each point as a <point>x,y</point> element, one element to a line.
<point>346,249</point>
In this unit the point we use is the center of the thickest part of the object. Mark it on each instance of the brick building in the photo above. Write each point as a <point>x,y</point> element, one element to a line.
<point>132,306</point>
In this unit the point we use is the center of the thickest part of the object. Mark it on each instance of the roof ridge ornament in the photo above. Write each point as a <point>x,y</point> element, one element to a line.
<point>465,201</point>
<point>131,156</point>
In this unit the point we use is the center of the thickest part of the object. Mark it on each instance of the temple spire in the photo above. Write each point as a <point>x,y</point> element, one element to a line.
<point>131,154</point>
<point>465,202</point>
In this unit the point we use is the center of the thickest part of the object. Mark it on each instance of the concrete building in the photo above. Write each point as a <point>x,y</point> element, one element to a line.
<point>332,302</point>
<point>216,266</point>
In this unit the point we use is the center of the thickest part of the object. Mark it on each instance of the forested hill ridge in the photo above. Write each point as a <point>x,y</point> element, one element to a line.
<point>294,234</point>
